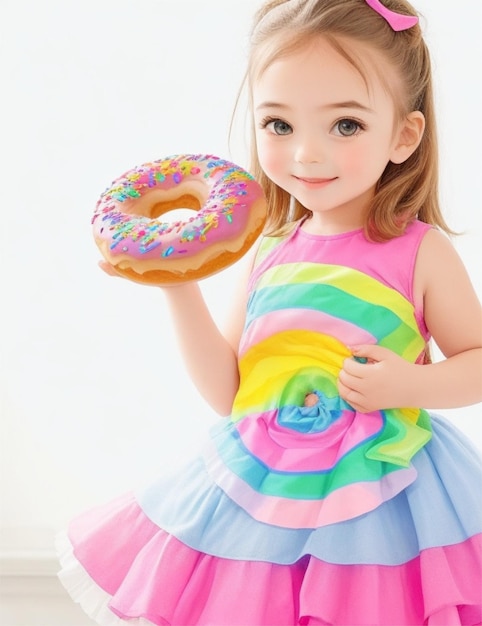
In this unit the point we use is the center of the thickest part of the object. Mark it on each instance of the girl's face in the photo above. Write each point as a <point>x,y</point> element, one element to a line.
<point>323,134</point>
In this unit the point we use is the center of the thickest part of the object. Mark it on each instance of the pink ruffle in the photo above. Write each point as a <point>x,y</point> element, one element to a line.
<point>441,586</point>
<point>146,573</point>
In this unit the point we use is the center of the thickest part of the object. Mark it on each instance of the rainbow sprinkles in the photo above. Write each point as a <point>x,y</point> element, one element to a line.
<point>127,219</point>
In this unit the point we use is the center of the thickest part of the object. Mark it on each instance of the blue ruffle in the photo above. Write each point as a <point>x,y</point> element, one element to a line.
<point>436,510</point>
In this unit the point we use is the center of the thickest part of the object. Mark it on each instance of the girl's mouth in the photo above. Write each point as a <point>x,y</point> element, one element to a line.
<point>314,182</point>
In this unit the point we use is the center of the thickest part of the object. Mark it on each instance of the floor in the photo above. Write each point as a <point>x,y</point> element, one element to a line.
<point>38,601</point>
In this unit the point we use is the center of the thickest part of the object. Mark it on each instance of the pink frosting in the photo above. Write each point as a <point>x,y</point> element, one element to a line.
<point>231,193</point>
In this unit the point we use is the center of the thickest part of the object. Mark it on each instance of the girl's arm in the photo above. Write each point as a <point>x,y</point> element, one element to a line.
<point>453,317</point>
<point>210,356</point>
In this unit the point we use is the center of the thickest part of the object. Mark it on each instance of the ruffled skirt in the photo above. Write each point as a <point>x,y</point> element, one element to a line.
<point>181,553</point>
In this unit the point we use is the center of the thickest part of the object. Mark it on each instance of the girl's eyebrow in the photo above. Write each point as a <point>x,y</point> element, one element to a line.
<point>271,105</point>
<point>348,104</point>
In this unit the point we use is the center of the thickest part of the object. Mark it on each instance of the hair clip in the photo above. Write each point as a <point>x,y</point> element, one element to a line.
<point>396,20</point>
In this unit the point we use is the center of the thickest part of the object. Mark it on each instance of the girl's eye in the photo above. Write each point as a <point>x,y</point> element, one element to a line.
<point>277,127</point>
<point>347,128</point>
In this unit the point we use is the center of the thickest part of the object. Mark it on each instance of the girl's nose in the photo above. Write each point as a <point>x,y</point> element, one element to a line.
<point>309,150</point>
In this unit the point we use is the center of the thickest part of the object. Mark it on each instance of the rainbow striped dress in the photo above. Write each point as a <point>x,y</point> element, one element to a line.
<point>302,512</point>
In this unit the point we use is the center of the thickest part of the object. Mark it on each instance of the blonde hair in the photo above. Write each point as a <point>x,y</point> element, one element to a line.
<point>405,191</point>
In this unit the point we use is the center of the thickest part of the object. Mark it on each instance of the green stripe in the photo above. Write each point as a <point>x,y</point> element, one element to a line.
<point>351,468</point>
<point>378,320</point>
<point>347,279</point>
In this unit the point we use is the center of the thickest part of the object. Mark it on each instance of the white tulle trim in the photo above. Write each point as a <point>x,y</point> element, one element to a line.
<point>83,590</point>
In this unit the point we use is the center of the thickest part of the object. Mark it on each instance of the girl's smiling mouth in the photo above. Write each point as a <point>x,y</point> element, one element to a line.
<point>314,182</point>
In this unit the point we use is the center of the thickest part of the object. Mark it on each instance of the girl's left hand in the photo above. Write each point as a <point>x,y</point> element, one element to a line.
<point>380,383</point>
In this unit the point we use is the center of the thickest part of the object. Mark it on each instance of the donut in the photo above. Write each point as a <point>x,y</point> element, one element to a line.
<point>230,212</point>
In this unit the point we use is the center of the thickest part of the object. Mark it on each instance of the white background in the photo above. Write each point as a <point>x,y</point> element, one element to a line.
<point>94,397</point>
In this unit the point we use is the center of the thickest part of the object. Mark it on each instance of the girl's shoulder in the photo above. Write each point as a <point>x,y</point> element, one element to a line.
<point>437,261</point>
<point>451,307</point>
<point>412,237</point>
<point>268,242</point>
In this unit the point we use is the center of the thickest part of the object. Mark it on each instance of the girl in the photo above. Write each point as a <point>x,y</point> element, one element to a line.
<point>325,496</point>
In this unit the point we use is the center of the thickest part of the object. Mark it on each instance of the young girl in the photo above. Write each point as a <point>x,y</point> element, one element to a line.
<point>326,496</point>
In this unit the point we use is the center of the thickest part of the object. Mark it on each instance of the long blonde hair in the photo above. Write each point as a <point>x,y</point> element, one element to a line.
<point>405,191</point>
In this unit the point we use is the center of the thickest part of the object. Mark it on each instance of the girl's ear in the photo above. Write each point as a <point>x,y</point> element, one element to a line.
<point>409,135</point>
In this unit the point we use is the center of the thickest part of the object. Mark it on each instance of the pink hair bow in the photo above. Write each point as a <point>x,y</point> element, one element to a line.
<point>396,20</point>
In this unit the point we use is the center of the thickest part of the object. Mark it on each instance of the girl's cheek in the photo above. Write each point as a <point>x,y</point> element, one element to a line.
<point>269,157</point>
<point>352,160</point>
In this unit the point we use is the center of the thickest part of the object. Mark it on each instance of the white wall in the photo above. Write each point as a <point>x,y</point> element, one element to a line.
<point>94,397</point>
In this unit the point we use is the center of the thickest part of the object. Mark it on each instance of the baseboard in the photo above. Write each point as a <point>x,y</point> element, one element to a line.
<point>30,592</point>
<point>27,552</point>
<point>28,563</point>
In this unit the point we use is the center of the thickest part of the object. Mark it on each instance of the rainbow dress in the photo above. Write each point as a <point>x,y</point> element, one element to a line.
<point>298,514</point>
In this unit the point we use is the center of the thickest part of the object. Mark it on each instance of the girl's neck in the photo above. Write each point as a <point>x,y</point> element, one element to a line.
<point>320,224</point>
<point>344,218</point>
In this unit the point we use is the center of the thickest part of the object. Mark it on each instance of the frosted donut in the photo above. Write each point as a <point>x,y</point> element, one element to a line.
<point>230,206</point>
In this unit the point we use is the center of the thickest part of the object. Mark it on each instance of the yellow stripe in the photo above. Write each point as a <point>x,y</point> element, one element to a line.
<point>265,247</point>
<point>268,367</point>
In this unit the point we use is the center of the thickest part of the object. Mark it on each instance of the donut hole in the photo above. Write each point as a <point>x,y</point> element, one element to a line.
<point>178,215</point>
<point>181,209</point>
